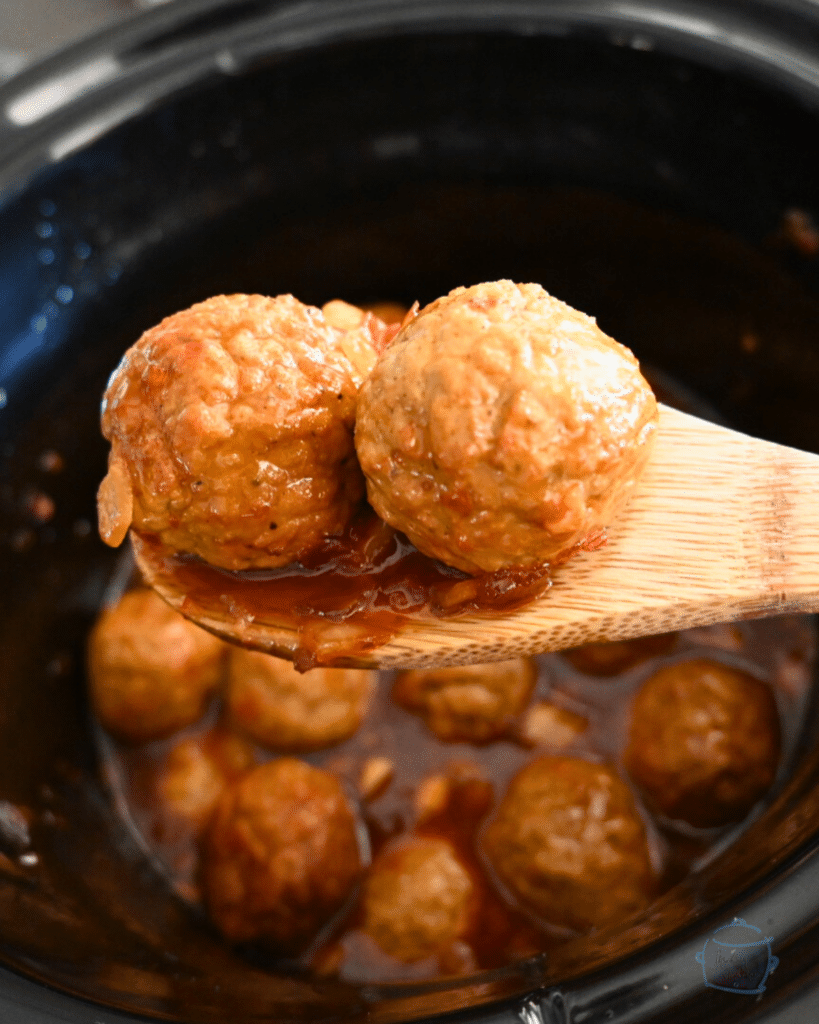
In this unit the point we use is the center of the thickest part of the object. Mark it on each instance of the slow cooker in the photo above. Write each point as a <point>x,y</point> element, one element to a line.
<point>653,163</point>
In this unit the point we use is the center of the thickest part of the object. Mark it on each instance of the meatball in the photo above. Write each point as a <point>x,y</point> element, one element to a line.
<point>196,771</point>
<point>612,658</point>
<point>292,711</point>
<point>151,670</point>
<point>569,845</point>
<point>472,703</point>
<point>281,855</point>
<point>418,899</point>
<point>231,430</point>
<point>704,741</point>
<point>502,428</point>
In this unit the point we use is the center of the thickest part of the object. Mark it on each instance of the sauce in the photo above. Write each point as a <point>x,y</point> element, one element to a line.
<point>370,578</point>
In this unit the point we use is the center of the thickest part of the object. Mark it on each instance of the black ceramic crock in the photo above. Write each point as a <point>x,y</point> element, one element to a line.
<point>639,159</point>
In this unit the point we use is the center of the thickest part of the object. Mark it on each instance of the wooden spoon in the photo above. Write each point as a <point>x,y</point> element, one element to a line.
<point>723,526</point>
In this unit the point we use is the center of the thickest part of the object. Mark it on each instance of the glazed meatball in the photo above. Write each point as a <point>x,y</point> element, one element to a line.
<point>418,899</point>
<point>151,671</point>
<point>281,855</point>
<point>292,711</point>
<point>569,845</point>
<point>197,770</point>
<point>231,430</point>
<point>472,703</point>
<point>704,742</point>
<point>502,428</point>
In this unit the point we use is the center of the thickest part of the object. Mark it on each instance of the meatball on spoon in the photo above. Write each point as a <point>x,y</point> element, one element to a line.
<point>721,526</point>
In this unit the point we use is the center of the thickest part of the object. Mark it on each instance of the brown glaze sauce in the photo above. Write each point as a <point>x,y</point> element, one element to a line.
<point>370,577</point>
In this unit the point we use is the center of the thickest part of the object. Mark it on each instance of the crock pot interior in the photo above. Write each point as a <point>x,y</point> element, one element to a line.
<point>644,187</point>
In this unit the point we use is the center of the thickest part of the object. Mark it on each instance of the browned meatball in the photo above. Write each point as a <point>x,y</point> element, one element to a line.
<point>281,855</point>
<point>196,771</point>
<point>295,711</point>
<point>419,899</point>
<point>609,659</point>
<point>231,429</point>
<point>151,671</point>
<point>704,741</point>
<point>473,703</point>
<point>502,428</point>
<point>568,843</point>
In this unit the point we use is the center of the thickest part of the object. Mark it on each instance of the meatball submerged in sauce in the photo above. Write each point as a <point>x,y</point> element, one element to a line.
<point>281,855</point>
<point>474,703</point>
<point>290,711</point>
<point>502,428</point>
<point>419,900</point>
<point>196,772</point>
<point>151,671</point>
<point>568,844</point>
<point>231,430</point>
<point>704,742</point>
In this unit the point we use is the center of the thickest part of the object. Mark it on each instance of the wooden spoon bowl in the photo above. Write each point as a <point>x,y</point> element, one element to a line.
<point>723,526</point>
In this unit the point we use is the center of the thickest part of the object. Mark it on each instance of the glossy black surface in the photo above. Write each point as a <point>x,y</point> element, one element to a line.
<point>635,160</point>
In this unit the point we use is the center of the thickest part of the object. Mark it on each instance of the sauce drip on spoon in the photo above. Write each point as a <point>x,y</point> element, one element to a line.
<point>352,595</point>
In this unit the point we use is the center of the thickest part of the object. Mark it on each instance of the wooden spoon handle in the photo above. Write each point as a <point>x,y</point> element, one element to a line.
<point>730,522</point>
